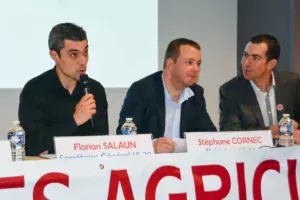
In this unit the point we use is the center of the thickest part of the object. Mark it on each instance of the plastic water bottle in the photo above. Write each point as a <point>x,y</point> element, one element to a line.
<point>286,131</point>
<point>128,128</point>
<point>16,136</point>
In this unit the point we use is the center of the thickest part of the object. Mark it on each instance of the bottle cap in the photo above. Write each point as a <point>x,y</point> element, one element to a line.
<point>286,115</point>
<point>16,123</point>
<point>128,118</point>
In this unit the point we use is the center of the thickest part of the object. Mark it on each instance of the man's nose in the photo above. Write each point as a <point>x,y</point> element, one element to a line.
<point>83,59</point>
<point>196,68</point>
<point>245,61</point>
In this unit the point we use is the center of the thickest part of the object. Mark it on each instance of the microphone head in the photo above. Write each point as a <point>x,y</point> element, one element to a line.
<point>84,79</point>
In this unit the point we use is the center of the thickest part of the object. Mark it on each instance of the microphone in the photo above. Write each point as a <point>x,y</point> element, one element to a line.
<point>84,80</point>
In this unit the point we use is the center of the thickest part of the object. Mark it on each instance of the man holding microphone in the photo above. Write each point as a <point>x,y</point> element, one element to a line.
<point>55,103</point>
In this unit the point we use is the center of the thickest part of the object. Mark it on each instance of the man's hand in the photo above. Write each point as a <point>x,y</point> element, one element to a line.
<point>84,110</point>
<point>274,129</point>
<point>295,125</point>
<point>44,152</point>
<point>297,136</point>
<point>164,145</point>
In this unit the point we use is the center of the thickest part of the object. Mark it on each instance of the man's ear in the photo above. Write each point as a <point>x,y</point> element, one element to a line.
<point>272,64</point>
<point>169,63</point>
<point>54,55</point>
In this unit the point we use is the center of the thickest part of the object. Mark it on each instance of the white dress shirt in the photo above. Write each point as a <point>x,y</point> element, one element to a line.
<point>173,111</point>
<point>260,95</point>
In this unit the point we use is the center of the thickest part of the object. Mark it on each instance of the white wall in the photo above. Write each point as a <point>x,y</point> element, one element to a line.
<point>111,26</point>
<point>212,23</point>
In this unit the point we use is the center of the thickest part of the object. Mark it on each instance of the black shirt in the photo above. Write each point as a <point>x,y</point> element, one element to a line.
<point>46,110</point>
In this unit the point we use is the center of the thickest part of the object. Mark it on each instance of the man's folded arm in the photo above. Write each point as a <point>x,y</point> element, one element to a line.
<point>229,115</point>
<point>101,123</point>
<point>39,131</point>
<point>101,117</point>
<point>229,119</point>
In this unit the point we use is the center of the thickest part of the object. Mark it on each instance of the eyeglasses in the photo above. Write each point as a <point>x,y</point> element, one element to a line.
<point>252,58</point>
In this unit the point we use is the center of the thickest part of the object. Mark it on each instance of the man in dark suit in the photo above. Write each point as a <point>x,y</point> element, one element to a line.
<point>168,103</point>
<point>257,99</point>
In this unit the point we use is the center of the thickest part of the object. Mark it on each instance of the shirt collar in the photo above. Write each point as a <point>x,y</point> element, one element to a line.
<point>273,80</point>
<point>185,94</point>
<point>58,85</point>
<point>254,86</point>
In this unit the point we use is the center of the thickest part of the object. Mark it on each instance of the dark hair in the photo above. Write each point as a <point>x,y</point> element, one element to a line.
<point>273,51</point>
<point>62,32</point>
<point>173,48</point>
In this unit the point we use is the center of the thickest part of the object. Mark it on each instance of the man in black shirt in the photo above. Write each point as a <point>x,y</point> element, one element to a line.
<point>53,103</point>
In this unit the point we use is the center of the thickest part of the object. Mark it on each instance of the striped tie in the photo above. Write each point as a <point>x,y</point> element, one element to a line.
<point>269,110</point>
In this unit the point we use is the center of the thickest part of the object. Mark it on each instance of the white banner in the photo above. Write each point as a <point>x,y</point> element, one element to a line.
<point>259,174</point>
<point>103,146</point>
<point>5,151</point>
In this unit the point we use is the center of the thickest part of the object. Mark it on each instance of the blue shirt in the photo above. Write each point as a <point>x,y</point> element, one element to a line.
<point>173,111</point>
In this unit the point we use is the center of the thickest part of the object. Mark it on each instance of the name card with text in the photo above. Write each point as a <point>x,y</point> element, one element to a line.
<point>5,151</point>
<point>103,146</point>
<point>240,140</point>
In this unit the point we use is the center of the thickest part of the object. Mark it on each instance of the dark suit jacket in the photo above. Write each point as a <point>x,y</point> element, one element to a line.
<point>240,109</point>
<point>145,103</point>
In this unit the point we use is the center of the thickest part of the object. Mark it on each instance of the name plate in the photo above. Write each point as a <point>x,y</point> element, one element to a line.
<point>103,146</point>
<point>240,140</point>
<point>5,151</point>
